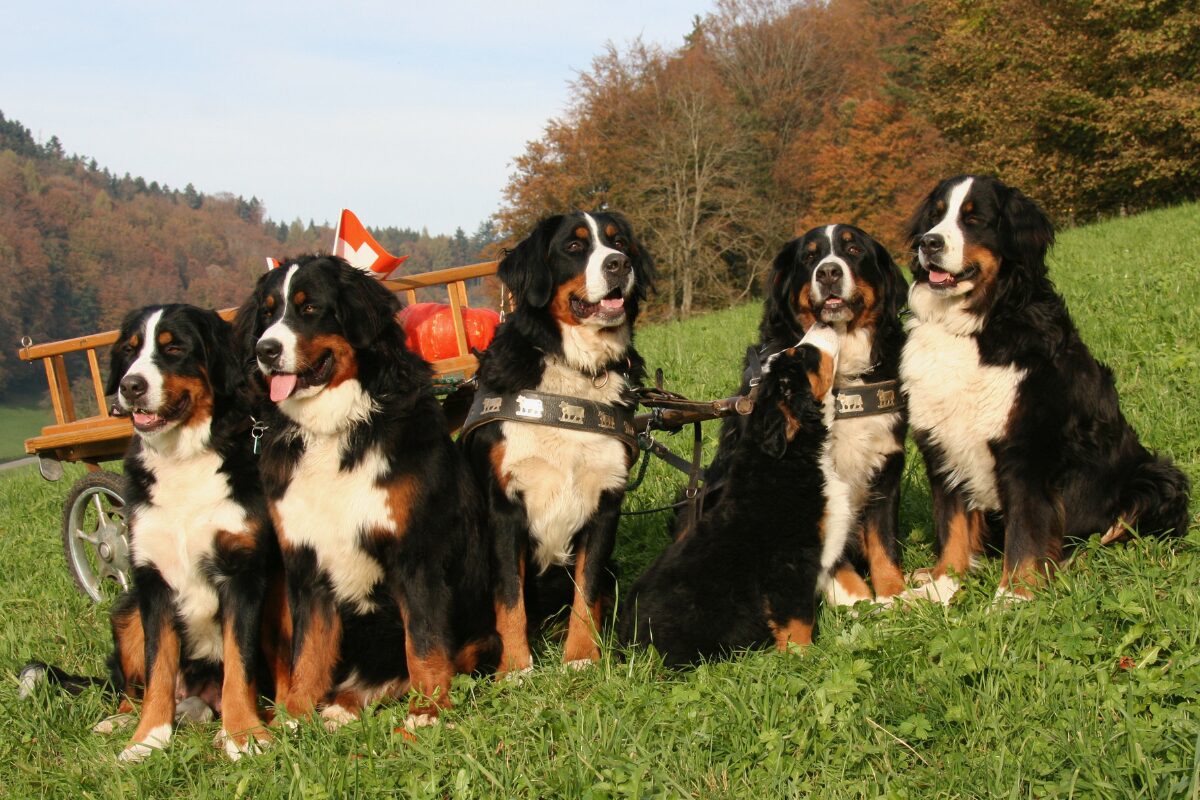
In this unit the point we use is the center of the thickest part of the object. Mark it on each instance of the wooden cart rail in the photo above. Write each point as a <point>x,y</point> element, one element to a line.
<point>102,437</point>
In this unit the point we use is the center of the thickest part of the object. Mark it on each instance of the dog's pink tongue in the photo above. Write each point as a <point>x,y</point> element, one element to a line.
<point>143,419</point>
<point>616,302</point>
<point>937,276</point>
<point>281,387</point>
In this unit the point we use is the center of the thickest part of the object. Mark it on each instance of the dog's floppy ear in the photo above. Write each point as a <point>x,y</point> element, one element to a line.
<point>778,317</point>
<point>893,281</point>
<point>118,362</point>
<point>219,358</point>
<point>525,270</point>
<point>365,307</point>
<point>1025,230</point>
<point>245,326</point>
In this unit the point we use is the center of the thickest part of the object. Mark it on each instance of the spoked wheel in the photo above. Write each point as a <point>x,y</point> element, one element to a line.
<point>94,535</point>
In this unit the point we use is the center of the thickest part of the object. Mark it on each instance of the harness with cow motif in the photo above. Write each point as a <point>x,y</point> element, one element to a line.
<point>554,410</point>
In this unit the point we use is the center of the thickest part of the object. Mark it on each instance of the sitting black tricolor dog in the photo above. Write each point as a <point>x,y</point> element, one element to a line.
<point>201,542</point>
<point>376,513</point>
<point>1014,416</point>
<point>750,571</point>
<point>553,482</point>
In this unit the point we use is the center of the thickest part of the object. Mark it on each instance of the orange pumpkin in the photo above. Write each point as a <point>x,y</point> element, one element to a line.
<point>429,329</point>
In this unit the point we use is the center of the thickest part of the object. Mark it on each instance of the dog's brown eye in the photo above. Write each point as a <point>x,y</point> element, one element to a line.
<point>971,219</point>
<point>854,250</point>
<point>574,246</point>
<point>173,350</point>
<point>308,309</point>
<point>621,244</point>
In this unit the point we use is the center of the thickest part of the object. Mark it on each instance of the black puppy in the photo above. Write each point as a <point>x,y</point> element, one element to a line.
<point>750,571</point>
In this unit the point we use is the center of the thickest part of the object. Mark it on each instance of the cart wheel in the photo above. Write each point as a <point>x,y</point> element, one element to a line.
<point>93,533</point>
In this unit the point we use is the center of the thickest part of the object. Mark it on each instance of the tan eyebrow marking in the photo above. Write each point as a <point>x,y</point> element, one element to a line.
<point>270,301</point>
<point>299,297</point>
<point>165,337</point>
<point>582,233</point>
<point>610,230</point>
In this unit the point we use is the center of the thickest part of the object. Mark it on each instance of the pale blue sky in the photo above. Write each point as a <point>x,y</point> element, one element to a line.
<point>408,113</point>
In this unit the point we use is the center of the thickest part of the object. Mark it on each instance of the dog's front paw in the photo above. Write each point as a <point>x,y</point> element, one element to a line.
<point>156,739</point>
<point>937,590</point>
<point>237,745</point>
<point>335,716</point>
<point>579,664</point>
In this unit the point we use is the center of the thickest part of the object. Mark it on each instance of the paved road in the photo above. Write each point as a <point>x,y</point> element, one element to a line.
<point>20,462</point>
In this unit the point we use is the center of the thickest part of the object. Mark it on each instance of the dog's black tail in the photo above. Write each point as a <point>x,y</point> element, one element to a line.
<point>35,673</point>
<point>1154,497</point>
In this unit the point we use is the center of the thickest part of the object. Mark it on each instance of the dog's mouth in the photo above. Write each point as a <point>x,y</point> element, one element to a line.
<point>940,279</point>
<point>610,309</point>
<point>836,308</point>
<point>284,384</point>
<point>146,421</point>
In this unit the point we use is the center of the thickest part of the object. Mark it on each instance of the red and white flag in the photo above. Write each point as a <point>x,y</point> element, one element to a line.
<point>352,242</point>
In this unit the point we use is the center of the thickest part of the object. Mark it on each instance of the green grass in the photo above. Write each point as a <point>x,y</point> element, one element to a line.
<point>1090,690</point>
<point>18,423</point>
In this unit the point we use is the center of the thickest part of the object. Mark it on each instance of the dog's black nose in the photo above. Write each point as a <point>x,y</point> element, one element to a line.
<point>617,265</point>
<point>134,387</point>
<point>828,273</point>
<point>932,243</point>
<point>269,351</point>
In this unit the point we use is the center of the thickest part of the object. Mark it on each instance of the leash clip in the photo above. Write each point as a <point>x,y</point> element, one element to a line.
<point>256,432</point>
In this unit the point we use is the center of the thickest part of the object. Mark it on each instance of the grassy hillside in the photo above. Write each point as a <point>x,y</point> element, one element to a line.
<point>18,423</point>
<point>1090,690</point>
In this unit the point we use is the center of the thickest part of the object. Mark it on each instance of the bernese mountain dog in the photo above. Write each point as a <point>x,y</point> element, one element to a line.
<point>1018,423</point>
<point>377,516</point>
<point>749,573</point>
<point>839,276</point>
<point>205,560</point>
<point>554,495</point>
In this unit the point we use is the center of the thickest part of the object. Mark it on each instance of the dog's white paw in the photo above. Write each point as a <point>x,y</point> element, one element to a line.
<point>114,723</point>
<point>414,721</point>
<point>335,716</point>
<point>193,709</point>
<point>937,590</point>
<point>158,738</point>
<point>1005,597</point>
<point>252,746</point>
<point>579,664</point>
<point>517,676</point>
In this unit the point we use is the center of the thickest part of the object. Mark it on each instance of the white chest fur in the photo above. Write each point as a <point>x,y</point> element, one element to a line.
<point>559,473</point>
<point>189,504</point>
<point>329,509</point>
<point>961,404</point>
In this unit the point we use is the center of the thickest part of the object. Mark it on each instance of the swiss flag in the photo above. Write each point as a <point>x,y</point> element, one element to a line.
<point>352,242</point>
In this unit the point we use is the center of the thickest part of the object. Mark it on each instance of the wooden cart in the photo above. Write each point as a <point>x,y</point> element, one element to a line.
<point>93,526</point>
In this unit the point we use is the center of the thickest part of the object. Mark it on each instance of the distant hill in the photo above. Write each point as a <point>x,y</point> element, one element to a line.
<point>79,246</point>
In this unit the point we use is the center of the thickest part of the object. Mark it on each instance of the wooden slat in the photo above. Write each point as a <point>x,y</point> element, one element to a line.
<point>64,387</point>
<point>460,328</point>
<point>92,340</point>
<point>449,366</point>
<point>97,383</point>
<point>442,276</point>
<point>462,293</point>
<point>84,431</point>
<point>410,296</point>
<point>55,398</point>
